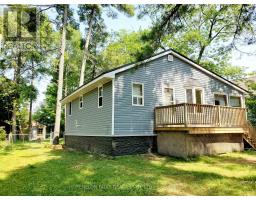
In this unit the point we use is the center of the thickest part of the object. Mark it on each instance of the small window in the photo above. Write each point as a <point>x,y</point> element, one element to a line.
<point>235,101</point>
<point>100,96</point>
<point>220,99</point>
<point>81,102</point>
<point>70,108</point>
<point>168,95</point>
<point>137,94</point>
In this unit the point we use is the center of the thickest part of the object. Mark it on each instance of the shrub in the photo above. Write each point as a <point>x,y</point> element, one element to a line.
<point>2,134</point>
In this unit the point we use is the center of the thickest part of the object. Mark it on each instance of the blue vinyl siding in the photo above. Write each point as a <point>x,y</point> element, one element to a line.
<point>91,120</point>
<point>139,120</point>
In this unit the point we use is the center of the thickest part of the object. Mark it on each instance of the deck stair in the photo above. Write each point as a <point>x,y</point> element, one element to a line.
<point>250,135</point>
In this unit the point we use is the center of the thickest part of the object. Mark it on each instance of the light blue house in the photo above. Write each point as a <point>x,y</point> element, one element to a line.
<point>119,112</point>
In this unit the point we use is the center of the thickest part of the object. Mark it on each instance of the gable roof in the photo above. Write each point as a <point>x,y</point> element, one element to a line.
<point>110,74</point>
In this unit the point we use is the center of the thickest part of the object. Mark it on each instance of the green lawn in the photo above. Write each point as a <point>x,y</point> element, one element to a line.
<point>37,169</point>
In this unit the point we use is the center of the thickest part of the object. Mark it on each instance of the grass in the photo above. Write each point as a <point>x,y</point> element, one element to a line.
<point>37,169</point>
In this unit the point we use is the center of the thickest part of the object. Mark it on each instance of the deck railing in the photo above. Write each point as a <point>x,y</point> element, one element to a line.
<point>196,115</point>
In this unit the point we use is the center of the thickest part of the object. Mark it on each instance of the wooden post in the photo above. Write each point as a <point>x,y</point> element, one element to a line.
<point>185,115</point>
<point>219,116</point>
<point>246,113</point>
<point>44,132</point>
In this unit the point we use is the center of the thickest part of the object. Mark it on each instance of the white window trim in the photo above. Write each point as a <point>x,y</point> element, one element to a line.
<point>138,96</point>
<point>220,93</point>
<point>80,102</point>
<point>163,97</point>
<point>100,96</point>
<point>194,94</point>
<point>70,108</point>
<point>241,99</point>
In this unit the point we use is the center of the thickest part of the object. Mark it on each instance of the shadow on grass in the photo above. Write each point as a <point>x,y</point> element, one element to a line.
<point>76,173</point>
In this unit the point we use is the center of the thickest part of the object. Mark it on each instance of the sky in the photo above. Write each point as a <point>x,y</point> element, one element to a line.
<point>133,24</point>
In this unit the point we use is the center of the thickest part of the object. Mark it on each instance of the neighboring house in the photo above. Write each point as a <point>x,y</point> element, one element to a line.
<point>38,131</point>
<point>118,112</point>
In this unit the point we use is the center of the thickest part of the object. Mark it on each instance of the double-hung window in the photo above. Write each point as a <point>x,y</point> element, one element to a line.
<point>235,101</point>
<point>81,102</point>
<point>100,96</point>
<point>168,95</point>
<point>70,109</point>
<point>137,94</point>
<point>189,95</point>
<point>220,99</point>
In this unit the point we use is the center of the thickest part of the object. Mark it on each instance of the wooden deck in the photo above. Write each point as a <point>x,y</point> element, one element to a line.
<point>200,119</point>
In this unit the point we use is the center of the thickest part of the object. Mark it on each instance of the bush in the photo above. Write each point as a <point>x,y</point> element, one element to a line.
<point>2,134</point>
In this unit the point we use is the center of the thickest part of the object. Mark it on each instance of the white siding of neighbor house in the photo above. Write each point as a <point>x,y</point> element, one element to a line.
<point>139,120</point>
<point>91,120</point>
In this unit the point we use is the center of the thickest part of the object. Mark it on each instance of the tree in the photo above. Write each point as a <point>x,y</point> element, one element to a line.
<point>55,139</point>
<point>124,48</point>
<point>6,102</point>
<point>46,113</point>
<point>251,100</point>
<point>15,58</point>
<point>92,16</point>
<point>204,33</point>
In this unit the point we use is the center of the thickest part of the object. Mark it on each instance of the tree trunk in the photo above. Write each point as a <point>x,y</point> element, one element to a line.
<point>86,45</point>
<point>14,120</point>
<point>200,54</point>
<point>16,80</point>
<point>93,71</point>
<point>31,101</point>
<point>66,82</point>
<point>55,139</point>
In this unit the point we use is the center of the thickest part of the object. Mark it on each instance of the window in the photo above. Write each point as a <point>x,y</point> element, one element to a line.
<point>70,108</point>
<point>137,94</point>
<point>100,96</point>
<point>189,95</point>
<point>220,99</point>
<point>235,101</point>
<point>168,95</point>
<point>81,102</point>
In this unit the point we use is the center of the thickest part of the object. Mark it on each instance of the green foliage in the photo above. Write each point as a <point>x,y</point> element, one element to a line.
<point>26,65</point>
<point>251,102</point>
<point>72,61</point>
<point>46,113</point>
<point>204,33</point>
<point>2,134</point>
<point>125,48</point>
<point>7,94</point>
<point>232,73</point>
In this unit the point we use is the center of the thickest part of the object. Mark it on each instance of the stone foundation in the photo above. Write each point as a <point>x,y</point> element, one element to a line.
<point>180,144</point>
<point>112,145</point>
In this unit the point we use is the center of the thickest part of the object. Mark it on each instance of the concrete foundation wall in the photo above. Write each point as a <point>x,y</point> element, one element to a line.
<point>180,144</point>
<point>112,145</point>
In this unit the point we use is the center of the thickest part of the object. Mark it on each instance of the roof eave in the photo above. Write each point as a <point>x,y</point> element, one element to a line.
<point>88,87</point>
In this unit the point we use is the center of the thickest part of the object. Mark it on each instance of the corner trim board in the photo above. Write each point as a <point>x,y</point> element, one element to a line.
<point>113,107</point>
